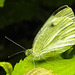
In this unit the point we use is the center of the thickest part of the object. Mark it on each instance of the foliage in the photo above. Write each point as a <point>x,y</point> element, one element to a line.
<point>2,3</point>
<point>59,65</point>
<point>7,67</point>
<point>55,65</point>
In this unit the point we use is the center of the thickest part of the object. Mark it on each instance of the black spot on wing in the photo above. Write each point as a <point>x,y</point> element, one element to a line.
<point>59,9</point>
<point>52,25</point>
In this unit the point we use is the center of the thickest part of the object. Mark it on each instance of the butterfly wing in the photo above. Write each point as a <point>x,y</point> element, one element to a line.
<point>57,34</point>
<point>64,11</point>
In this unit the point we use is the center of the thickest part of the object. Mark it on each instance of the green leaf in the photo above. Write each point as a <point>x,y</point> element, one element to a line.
<point>2,3</point>
<point>7,67</point>
<point>59,65</point>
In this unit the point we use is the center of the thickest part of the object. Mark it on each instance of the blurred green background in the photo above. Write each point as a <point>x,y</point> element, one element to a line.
<point>20,20</point>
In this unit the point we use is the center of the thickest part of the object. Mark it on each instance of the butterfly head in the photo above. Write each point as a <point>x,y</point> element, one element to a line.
<point>35,56</point>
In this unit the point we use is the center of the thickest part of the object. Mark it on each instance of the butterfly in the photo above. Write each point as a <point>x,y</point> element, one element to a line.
<point>56,36</point>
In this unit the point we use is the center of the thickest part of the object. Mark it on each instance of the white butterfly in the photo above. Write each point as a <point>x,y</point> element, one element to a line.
<point>56,36</point>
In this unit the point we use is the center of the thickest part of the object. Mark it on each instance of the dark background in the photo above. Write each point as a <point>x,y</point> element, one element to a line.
<point>20,20</point>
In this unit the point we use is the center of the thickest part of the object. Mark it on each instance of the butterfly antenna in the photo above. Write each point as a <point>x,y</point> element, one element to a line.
<point>17,45</point>
<point>15,54</point>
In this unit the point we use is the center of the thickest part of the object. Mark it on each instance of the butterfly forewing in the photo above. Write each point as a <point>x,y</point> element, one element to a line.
<point>55,32</point>
<point>58,40</point>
